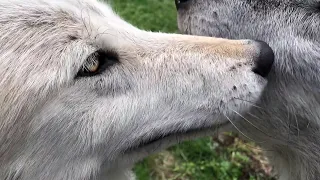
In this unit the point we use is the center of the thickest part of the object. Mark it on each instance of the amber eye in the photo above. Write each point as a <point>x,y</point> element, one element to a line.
<point>91,66</point>
<point>97,63</point>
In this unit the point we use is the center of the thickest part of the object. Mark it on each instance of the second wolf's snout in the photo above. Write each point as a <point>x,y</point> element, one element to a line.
<point>263,62</point>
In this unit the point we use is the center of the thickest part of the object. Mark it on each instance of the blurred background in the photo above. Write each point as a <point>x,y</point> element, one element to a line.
<point>216,158</point>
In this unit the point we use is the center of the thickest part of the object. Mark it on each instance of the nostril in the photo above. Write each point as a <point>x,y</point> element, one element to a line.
<point>264,61</point>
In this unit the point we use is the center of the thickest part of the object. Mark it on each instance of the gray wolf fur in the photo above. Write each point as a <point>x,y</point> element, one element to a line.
<point>84,95</point>
<point>287,122</point>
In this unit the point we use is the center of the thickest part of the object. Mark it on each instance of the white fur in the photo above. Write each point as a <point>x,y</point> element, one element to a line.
<point>56,126</point>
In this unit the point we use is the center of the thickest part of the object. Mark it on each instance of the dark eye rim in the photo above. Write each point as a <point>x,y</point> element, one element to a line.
<point>106,59</point>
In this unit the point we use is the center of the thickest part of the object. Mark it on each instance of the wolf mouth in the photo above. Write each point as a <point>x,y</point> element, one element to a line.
<point>157,138</point>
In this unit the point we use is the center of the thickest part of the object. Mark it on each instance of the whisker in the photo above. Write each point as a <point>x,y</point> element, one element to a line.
<point>257,148</point>
<point>289,127</point>
<point>84,22</point>
<point>298,129</point>
<point>251,123</point>
<point>251,103</point>
<point>254,115</point>
<point>241,131</point>
<point>245,143</point>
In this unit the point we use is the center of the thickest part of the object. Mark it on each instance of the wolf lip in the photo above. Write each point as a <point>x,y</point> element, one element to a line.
<point>159,137</point>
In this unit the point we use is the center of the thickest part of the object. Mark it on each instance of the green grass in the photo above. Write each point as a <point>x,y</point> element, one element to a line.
<point>203,159</point>
<point>154,15</point>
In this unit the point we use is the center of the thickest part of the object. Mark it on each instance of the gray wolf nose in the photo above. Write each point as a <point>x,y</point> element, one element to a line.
<point>264,62</point>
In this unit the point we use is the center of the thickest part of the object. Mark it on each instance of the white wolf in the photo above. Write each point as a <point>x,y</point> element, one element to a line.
<point>84,95</point>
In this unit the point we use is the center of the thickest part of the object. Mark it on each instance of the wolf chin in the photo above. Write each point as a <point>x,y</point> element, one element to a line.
<point>287,122</point>
<point>84,95</point>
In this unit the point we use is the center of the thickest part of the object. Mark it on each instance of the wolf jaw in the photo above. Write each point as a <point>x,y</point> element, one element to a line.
<point>288,119</point>
<point>80,87</point>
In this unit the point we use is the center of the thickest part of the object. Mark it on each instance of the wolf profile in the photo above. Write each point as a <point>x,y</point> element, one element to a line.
<point>84,95</point>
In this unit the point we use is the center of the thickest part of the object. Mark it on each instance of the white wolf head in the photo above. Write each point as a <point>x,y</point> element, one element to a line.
<point>81,88</point>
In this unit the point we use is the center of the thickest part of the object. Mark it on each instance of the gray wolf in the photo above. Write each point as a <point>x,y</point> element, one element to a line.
<point>287,123</point>
<point>84,94</point>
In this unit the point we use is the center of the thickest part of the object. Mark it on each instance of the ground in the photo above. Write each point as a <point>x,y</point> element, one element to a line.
<point>222,158</point>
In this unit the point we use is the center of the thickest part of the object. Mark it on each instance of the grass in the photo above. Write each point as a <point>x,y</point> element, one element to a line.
<point>203,159</point>
<point>206,159</point>
<point>153,15</point>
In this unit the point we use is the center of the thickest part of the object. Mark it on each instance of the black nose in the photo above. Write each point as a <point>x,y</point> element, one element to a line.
<point>264,62</point>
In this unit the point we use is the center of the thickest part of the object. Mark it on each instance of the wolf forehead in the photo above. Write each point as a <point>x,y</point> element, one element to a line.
<point>63,32</point>
<point>59,20</point>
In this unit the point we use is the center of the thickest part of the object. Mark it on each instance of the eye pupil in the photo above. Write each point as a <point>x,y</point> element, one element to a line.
<point>97,63</point>
<point>92,67</point>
